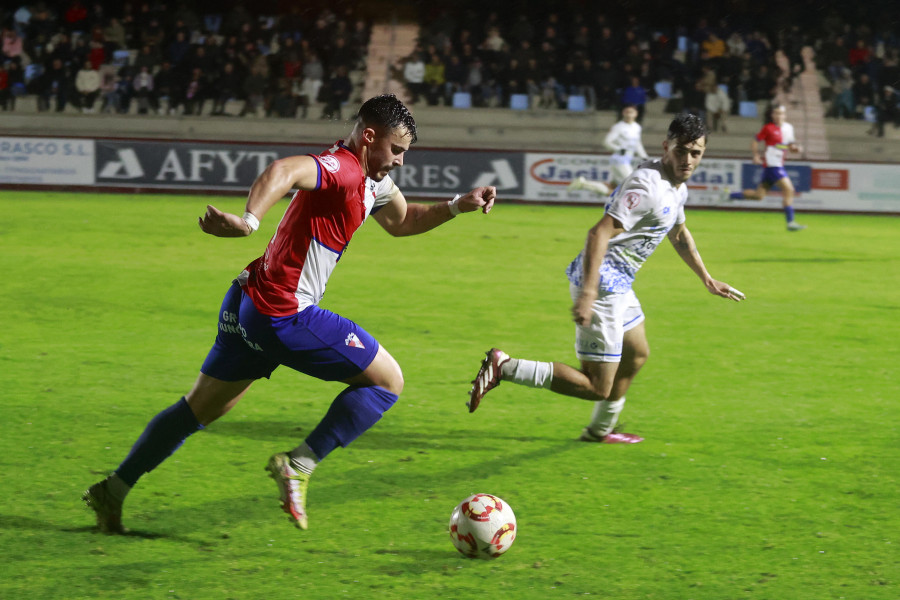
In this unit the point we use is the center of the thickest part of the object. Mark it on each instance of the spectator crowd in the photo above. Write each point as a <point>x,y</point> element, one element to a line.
<point>609,61</point>
<point>167,59</point>
<point>862,65</point>
<point>612,59</point>
<point>161,58</point>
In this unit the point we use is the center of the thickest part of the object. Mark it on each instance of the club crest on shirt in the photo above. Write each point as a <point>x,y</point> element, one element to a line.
<point>331,163</point>
<point>354,342</point>
<point>631,199</point>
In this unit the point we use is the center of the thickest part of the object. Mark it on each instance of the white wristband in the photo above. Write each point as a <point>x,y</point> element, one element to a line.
<point>251,221</point>
<point>453,205</point>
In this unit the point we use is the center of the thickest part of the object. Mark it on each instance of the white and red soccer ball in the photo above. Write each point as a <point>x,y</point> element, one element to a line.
<point>482,526</point>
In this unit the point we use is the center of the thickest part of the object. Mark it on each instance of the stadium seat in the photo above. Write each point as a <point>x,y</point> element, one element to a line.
<point>518,101</point>
<point>462,100</point>
<point>870,115</point>
<point>577,103</point>
<point>33,71</point>
<point>748,109</point>
<point>663,89</point>
<point>121,58</point>
<point>212,22</point>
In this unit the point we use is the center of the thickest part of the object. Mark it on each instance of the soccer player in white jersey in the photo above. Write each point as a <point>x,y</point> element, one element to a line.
<point>610,340</point>
<point>778,138</point>
<point>624,139</point>
<point>271,316</point>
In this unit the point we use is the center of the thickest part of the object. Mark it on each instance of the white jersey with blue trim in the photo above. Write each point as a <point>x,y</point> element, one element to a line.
<point>648,206</point>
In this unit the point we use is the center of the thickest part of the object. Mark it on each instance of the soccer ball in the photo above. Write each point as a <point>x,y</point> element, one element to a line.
<point>482,526</point>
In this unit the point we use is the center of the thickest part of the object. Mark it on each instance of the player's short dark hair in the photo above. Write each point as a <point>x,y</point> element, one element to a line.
<point>767,116</point>
<point>686,128</point>
<point>388,112</point>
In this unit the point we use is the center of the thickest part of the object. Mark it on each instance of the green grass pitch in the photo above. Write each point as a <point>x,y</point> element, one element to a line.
<point>770,466</point>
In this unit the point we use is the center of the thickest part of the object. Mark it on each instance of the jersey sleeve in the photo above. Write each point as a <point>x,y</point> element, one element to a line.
<point>762,135</point>
<point>384,190</point>
<point>787,134</point>
<point>334,172</point>
<point>631,203</point>
<point>680,218</point>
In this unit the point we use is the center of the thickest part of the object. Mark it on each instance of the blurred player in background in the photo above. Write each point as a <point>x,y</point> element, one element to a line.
<point>624,139</point>
<point>610,340</point>
<point>270,315</point>
<point>778,137</point>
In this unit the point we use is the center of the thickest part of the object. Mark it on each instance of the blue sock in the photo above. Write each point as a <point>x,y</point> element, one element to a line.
<point>789,213</point>
<point>163,435</point>
<point>354,411</point>
<point>736,195</point>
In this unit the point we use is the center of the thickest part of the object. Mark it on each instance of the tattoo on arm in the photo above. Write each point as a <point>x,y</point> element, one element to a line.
<point>684,244</point>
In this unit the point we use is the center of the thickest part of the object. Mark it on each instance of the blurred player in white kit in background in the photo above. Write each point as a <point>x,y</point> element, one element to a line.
<point>624,139</point>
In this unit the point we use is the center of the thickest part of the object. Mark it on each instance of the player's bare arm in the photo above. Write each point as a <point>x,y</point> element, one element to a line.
<point>594,250</point>
<point>683,242</point>
<point>400,218</point>
<point>279,178</point>
<point>640,151</point>
<point>757,157</point>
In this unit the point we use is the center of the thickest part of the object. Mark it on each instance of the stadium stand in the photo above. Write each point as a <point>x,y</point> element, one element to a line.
<point>524,72</point>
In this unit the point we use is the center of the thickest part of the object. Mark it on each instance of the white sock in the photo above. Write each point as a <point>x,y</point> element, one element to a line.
<point>527,372</point>
<point>303,459</point>
<point>606,415</point>
<point>596,186</point>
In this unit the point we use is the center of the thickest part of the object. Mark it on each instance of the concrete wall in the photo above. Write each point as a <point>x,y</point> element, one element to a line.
<point>441,127</point>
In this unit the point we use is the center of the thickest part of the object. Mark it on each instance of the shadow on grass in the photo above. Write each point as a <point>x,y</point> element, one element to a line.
<point>328,492</point>
<point>812,259</point>
<point>15,522</point>
<point>380,437</point>
<point>129,533</point>
<point>490,463</point>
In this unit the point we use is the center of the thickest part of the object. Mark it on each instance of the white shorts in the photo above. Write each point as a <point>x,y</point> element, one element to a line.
<point>614,314</point>
<point>717,102</point>
<point>619,171</point>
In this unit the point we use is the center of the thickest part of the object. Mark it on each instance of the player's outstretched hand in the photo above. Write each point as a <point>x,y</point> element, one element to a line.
<point>222,224</point>
<point>480,197</point>
<point>720,288</point>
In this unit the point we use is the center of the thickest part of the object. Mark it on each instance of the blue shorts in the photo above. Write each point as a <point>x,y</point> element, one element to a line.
<point>315,341</point>
<point>773,174</point>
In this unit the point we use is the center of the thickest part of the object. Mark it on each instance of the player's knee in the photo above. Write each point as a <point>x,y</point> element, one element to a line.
<point>384,372</point>
<point>211,398</point>
<point>640,357</point>
<point>392,375</point>
<point>393,381</point>
<point>601,393</point>
<point>599,389</point>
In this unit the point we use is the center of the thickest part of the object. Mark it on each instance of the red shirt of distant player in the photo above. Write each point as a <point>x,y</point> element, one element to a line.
<point>312,235</point>
<point>777,140</point>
